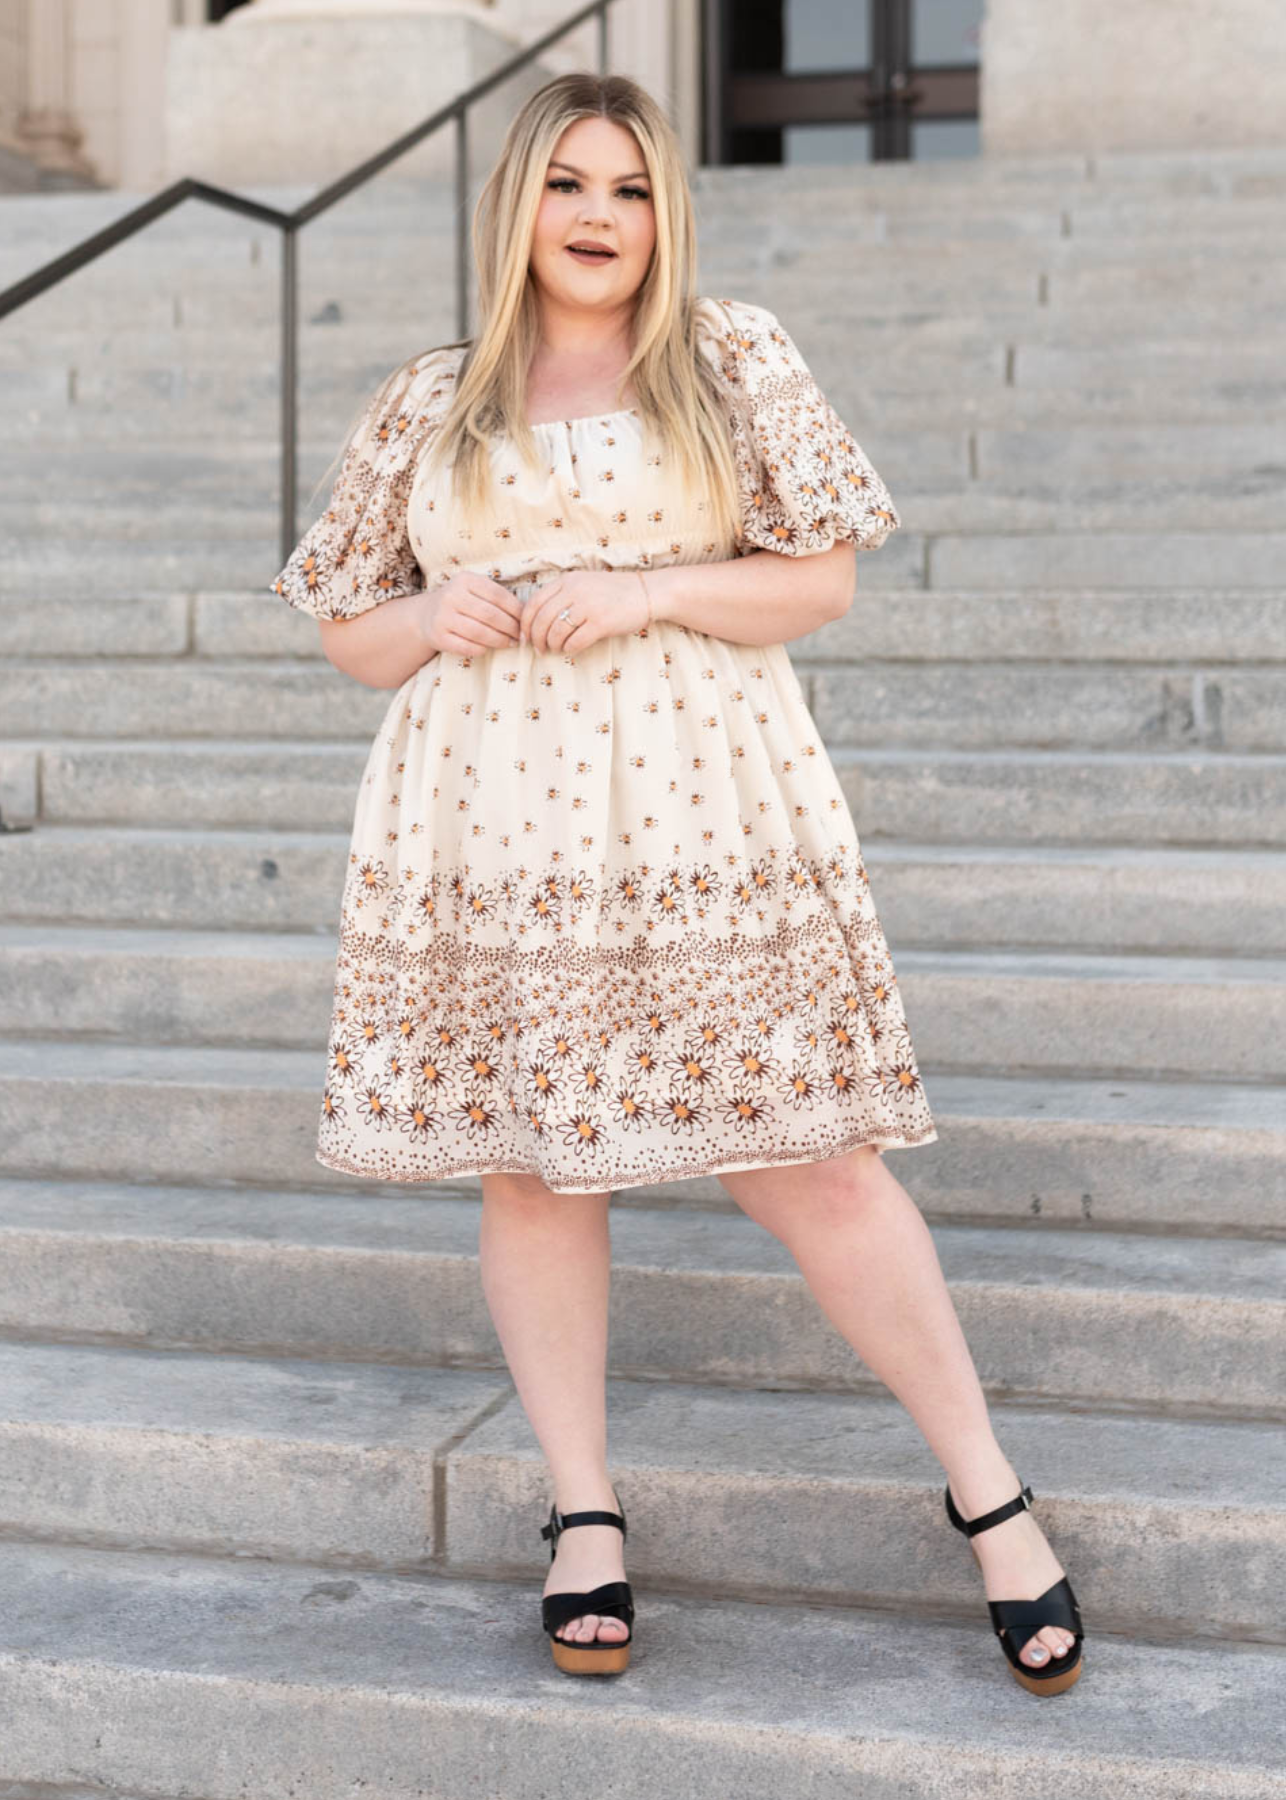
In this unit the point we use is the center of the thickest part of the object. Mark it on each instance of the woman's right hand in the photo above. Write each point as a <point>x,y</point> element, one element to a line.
<point>470,613</point>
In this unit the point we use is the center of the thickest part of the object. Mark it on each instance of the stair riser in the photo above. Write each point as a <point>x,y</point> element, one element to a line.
<point>1173,801</point>
<point>1013,1170</point>
<point>1137,1566</point>
<point>881,705</point>
<point>742,1535</point>
<point>292,882</point>
<point>980,1021</point>
<point>1048,1342</point>
<point>1058,626</point>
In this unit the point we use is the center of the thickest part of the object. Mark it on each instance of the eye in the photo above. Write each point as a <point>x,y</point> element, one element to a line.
<point>569,181</point>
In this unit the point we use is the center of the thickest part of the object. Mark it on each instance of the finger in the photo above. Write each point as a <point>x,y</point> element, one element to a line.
<point>499,618</point>
<point>579,639</point>
<point>461,643</point>
<point>540,608</point>
<point>497,604</point>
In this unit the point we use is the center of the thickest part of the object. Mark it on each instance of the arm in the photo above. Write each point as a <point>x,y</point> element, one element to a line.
<point>762,598</point>
<point>381,648</point>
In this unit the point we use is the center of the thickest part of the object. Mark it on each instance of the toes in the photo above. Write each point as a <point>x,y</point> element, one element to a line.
<point>590,1625</point>
<point>1049,1641</point>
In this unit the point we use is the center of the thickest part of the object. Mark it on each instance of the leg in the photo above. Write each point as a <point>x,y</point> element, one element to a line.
<point>545,1261</point>
<point>871,1263</point>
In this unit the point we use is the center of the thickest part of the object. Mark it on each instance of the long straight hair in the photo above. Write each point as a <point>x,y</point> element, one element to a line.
<point>676,388</point>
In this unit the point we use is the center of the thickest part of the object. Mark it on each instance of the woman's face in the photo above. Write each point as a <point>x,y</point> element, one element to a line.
<point>596,191</point>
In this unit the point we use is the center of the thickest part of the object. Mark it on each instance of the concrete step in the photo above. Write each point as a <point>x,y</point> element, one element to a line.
<point>1045,389</point>
<point>982,625</point>
<point>1123,1153</point>
<point>1016,798</point>
<point>966,705</point>
<point>1035,348</point>
<point>1086,1315</point>
<point>337,1464</point>
<point>756,1495</point>
<point>1019,798</point>
<point>1190,559</point>
<point>1066,210</point>
<point>988,1010</point>
<point>963,625</point>
<point>869,402</point>
<point>1170,1525</point>
<point>245,508</point>
<point>1210,560</point>
<point>72,563</point>
<point>807,237</point>
<point>1059,1012</point>
<point>1225,279</point>
<point>1147,464</point>
<point>950,705</point>
<point>1116,898</point>
<point>185,1657</point>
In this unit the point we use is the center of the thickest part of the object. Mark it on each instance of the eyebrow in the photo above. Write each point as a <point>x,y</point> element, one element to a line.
<point>633,175</point>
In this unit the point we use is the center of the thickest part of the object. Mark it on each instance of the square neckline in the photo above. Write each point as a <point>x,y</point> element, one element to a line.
<point>621,412</point>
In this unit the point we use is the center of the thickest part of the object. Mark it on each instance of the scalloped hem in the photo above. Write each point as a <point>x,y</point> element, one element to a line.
<point>342,1166</point>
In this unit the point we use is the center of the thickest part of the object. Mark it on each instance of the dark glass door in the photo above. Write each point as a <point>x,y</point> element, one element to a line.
<point>790,81</point>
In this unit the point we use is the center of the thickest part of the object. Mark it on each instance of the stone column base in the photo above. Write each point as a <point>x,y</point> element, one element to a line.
<point>303,99</point>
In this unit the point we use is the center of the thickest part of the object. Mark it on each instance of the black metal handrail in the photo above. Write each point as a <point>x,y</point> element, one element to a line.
<point>291,223</point>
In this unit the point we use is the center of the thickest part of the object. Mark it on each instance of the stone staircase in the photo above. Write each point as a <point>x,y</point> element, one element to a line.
<point>269,1505</point>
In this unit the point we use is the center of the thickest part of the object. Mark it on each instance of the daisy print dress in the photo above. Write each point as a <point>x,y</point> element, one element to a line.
<point>605,918</point>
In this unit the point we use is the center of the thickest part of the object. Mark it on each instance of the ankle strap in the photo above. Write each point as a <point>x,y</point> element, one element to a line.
<point>998,1515</point>
<point>560,1522</point>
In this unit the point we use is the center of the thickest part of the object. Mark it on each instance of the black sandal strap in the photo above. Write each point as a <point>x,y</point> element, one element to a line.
<point>997,1516</point>
<point>613,1599</point>
<point>1056,1606</point>
<point>559,1522</point>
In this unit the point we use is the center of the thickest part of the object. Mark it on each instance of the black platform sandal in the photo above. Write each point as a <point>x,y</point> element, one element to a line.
<point>1017,1620</point>
<point>613,1599</point>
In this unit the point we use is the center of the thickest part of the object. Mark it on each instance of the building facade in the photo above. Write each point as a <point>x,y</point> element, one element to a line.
<point>133,93</point>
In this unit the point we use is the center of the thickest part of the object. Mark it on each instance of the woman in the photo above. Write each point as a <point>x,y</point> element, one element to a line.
<point>606,919</point>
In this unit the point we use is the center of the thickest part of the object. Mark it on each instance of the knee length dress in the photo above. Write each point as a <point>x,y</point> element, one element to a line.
<point>606,918</point>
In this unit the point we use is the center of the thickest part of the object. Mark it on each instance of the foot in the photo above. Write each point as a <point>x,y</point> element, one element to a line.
<point>1016,1561</point>
<point>586,1557</point>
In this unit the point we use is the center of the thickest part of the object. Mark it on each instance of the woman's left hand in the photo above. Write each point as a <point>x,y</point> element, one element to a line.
<point>602,603</point>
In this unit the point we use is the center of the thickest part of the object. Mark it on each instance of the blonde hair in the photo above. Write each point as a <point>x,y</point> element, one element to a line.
<point>676,389</point>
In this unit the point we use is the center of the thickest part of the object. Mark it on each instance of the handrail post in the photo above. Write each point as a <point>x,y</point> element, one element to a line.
<point>461,223</point>
<point>289,386</point>
<point>602,38</point>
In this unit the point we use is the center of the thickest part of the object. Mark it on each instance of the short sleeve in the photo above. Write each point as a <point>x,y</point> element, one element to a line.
<point>358,552</point>
<point>805,481</point>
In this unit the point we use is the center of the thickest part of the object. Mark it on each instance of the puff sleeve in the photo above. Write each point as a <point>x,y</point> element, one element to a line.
<point>805,481</point>
<point>358,552</point>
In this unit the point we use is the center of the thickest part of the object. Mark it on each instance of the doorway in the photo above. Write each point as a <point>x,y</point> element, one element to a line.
<point>797,81</point>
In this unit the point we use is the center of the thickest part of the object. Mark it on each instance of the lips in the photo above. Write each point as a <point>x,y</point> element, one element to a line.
<point>589,251</point>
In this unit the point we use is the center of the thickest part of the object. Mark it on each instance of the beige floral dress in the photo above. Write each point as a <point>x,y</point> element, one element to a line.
<point>606,918</point>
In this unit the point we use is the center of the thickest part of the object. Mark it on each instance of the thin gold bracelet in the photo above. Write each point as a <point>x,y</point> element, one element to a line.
<point>647,594</point>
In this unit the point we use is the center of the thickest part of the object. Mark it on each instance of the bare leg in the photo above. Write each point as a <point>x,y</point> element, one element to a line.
<point>870,1261</point>
<point>545,1262</point>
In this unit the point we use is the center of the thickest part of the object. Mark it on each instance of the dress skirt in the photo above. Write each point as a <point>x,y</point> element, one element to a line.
<point>606,921</point>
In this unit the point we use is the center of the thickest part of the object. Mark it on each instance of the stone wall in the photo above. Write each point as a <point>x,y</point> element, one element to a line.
<point>1132,75</point>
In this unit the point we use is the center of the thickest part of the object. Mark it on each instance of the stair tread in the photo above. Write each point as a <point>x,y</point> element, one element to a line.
<point>678,1239</point>
<point>57,938</point>
<point>1129,1100</point>
<point>1235,1465</point>
<point>734,1692</point>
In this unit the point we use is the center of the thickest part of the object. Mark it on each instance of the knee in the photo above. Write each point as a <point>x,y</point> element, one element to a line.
<point>821,1197</point>
<point>527,1196</point>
